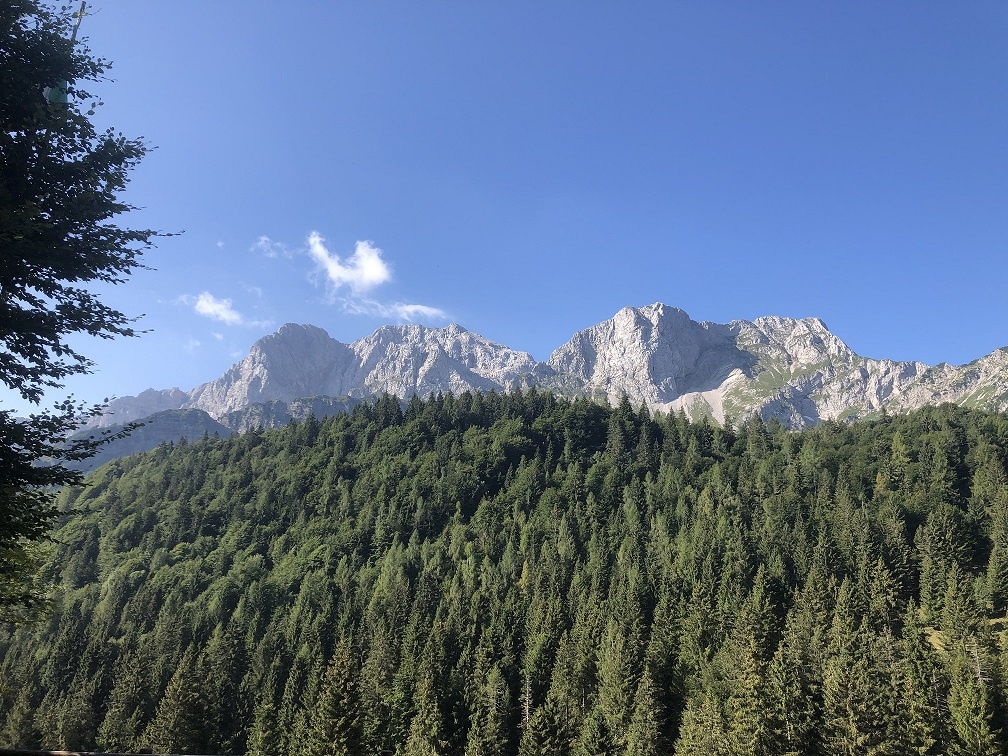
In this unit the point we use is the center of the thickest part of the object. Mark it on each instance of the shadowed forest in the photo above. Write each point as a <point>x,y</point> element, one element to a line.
<point>524,574</point>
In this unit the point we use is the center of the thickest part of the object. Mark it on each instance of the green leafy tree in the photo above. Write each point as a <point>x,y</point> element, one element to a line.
<point>60,181</point>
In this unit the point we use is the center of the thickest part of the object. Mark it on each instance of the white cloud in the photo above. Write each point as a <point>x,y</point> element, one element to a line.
<point>218,336</point>
<point>400,311</point>
<point>192,345</point>
<point>269,248</point>
<point>218,309</point>
<point>411,312</point>
<point>362,271</point>
<point>220,245</point>
<point>207,305</point>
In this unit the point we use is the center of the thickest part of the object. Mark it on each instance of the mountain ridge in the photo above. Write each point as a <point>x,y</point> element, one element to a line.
<point>793,370</point>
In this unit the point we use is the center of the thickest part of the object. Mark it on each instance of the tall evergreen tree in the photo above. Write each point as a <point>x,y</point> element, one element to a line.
<point>490,717</point>
<point>335,723</point>
<point>426,728</point>
<point>178,725</point>
<point>970,707</point>
<point>644,736</point>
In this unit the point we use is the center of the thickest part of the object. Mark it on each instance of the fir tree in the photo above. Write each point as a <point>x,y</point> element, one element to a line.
<point>178,725</point>
<point>335,722</point>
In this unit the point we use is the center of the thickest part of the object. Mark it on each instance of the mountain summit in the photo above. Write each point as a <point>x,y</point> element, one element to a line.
<point>795,371</point>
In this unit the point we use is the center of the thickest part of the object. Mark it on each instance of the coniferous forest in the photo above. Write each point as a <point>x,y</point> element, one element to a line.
<point>524,574</point>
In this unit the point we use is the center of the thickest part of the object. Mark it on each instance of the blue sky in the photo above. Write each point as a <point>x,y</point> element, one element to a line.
<point>526,169</point>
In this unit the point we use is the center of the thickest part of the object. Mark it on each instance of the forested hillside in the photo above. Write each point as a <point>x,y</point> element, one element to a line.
<point>520,574</point>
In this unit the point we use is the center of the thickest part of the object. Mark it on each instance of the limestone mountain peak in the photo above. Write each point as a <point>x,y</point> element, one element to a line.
<point>795,370</point>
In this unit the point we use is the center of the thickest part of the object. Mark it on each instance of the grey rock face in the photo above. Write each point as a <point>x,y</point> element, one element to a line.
<point>296,361</point>
<point>793,370</point>
<point>654,355</point>
<point>300,361</point>
<point>411,359</point>
<point>159,427</point>
<point>127,409</point>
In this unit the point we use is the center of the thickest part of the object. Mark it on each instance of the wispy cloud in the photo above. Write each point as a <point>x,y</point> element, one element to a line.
<point>400,311</point>
<point>416,312</point>
<point>352,279</point>
<point>221,310</point>
<point>269,248</point>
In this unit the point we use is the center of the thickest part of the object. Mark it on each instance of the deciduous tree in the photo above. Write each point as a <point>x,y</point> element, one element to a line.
<point>60,186</point>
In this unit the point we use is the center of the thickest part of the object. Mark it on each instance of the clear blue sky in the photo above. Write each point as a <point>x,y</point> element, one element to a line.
<point>526,169</point>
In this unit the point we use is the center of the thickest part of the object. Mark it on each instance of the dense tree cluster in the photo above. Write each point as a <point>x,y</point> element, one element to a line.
<point>522,574</point>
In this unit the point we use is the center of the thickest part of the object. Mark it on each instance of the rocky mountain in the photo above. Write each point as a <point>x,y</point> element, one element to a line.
<point>168,425</point>
<point>300,361</point>
<point>793,370</point>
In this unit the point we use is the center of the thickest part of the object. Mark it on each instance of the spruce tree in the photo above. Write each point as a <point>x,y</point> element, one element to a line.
<point>425,730</point>
<point>488,731</point>
<point>971,710</point>
<point>335,722</point>
<point>178,725</point>
<point>703,728</point>
<point>644,736</point>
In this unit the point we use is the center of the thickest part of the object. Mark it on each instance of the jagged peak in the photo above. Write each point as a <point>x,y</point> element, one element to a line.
<point>414,329</point>
<point>294,329</point>
<point>292,335</point>
<point>654,353</point>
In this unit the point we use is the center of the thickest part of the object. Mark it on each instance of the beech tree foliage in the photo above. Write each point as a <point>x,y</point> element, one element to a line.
<point>60,186</point>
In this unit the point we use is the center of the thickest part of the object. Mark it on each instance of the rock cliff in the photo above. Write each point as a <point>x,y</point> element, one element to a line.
<point>796,371</point>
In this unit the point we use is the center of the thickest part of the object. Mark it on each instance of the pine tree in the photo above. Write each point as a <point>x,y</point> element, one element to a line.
<point>855,710</point>
<point>127,706</point>
<point>264,739</point>
<point>703,729</point>
<point>19,729</point>
<point>488,732</point>
<point>546,733</point>
<point>335,722</point>
<point>921,697</point>
<point>644,734</point>
<point>595,738</point>
<point>792,709</point>
<point>970,707</point>
<point>748,730</point>
<point>178,725</point>
<point>425,730</point>
<point>618,676</point>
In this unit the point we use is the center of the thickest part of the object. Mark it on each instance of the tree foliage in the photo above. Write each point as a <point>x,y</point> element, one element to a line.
<point>499,574</point>
<point>60,186</point>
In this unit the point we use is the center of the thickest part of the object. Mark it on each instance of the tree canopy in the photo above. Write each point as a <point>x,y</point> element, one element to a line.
<point>523,574</point>
<point>60,186</point>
